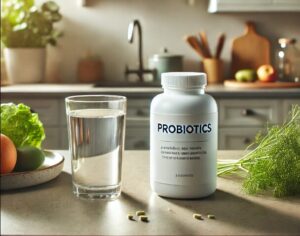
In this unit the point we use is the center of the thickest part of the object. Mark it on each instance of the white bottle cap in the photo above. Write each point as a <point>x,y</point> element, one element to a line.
<point>183,80</point>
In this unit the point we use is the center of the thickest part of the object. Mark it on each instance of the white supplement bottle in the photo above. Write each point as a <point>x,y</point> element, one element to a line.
<point>183,137</point>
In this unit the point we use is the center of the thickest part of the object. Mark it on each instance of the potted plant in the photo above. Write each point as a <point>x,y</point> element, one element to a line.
<point>26,30</point>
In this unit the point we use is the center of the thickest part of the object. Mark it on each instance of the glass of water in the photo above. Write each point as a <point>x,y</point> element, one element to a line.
<point>96,128</point>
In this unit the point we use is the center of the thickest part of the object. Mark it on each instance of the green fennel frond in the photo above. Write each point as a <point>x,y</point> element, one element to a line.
<point>274,165</point>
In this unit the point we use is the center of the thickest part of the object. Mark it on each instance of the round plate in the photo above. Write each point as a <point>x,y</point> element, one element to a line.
<point>50,169</point>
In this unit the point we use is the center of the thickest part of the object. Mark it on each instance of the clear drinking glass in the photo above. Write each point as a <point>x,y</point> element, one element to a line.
<point>96,128</point>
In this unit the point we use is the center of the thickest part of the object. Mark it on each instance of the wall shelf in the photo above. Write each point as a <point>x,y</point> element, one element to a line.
<point>216,6</point>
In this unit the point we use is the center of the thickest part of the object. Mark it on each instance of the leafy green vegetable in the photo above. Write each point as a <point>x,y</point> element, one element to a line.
<point>21,126</point>
<point>274,165</point>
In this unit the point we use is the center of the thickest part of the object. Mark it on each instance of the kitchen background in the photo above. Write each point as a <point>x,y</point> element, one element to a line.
<point>101,28</point>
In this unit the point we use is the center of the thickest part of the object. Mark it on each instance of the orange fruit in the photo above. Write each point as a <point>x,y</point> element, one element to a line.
<point>8,155</point>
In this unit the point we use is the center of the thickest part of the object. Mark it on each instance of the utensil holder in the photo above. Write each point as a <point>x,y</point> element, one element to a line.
<point>214,69</point>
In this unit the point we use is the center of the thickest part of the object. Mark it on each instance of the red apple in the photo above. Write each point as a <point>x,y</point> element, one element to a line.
<point>266,73</point>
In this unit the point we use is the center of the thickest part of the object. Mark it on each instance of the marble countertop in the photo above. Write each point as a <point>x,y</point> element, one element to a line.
<point>57,90</point>
<point>51,208</point>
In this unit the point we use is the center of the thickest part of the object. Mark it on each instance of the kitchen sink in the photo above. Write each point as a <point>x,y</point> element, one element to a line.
<point>107,83</point>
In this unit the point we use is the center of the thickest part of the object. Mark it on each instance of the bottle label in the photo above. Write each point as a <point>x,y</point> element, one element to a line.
<point>183,148</point>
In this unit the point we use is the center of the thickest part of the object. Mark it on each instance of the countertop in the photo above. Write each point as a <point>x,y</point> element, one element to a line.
<point>52,209</point>
<point>62,90</point>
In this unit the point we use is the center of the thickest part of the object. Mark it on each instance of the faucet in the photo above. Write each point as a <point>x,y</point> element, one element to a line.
<point>141,70</point>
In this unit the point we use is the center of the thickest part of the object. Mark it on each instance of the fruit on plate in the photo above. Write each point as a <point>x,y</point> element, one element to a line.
<point>266,73</point>
<point>8,155</point>
<point>245,75</point>
<point>29,158</point>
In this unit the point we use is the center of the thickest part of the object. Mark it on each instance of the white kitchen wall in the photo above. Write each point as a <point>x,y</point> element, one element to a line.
<point>101,27</point>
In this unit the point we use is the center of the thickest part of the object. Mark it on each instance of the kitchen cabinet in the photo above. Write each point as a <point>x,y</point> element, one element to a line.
<point>50,113</point>
<point>137,135</point>
<point>237,138</point>
<point>138,124</point>
<point>248,112</point>
<point>242,113</point>
<point>287,106</point>
<point>253,6</point>
<point>239,121</point>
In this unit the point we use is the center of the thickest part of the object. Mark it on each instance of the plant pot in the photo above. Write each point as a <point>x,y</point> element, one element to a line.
<point>3,80</point>
<point>25,65</point>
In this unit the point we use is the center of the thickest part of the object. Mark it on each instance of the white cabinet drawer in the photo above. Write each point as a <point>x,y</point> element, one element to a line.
<point>248,112</point>
<point>52,140</point>
<point>47,109</point>
<point>138,108</point>
<point>137,135</point>
<point>56,138</point>
<point>287,106</point>
<point>137,139</point>
<point>62,116</point>
<point>64,142</point>
<point>237,138</point>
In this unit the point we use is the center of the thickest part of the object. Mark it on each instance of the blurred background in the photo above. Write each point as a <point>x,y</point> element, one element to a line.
<point>100,27</point>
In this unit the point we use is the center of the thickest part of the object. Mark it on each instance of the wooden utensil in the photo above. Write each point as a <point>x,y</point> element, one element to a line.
<point>221,41</point>
<point>250,50</point>
<point>205,44</point>
<point>196,45</point>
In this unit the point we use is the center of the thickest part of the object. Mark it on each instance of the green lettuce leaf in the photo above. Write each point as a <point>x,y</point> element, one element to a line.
<point>21,125</point>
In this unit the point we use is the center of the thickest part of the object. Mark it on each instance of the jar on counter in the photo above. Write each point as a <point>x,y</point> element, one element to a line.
<point>288,61</point>
<point>165,62</point>
<point>90,68</point>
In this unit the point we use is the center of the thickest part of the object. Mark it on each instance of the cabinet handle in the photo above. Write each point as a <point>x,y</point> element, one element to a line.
<point>141,144</point>
<point>247,112</point>
<point>141,112</point>
<point>247,140</point>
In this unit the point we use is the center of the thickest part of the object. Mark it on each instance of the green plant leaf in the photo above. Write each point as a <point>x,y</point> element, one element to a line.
<point>50,6</point>
<point>52,41</point>
<point>274,165</point>
<point>28,4</point>
<point>33,9</point>
<point>19,27</point>
<point>55,17</point>
<point>25,25</point>
<point>21,17</point>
